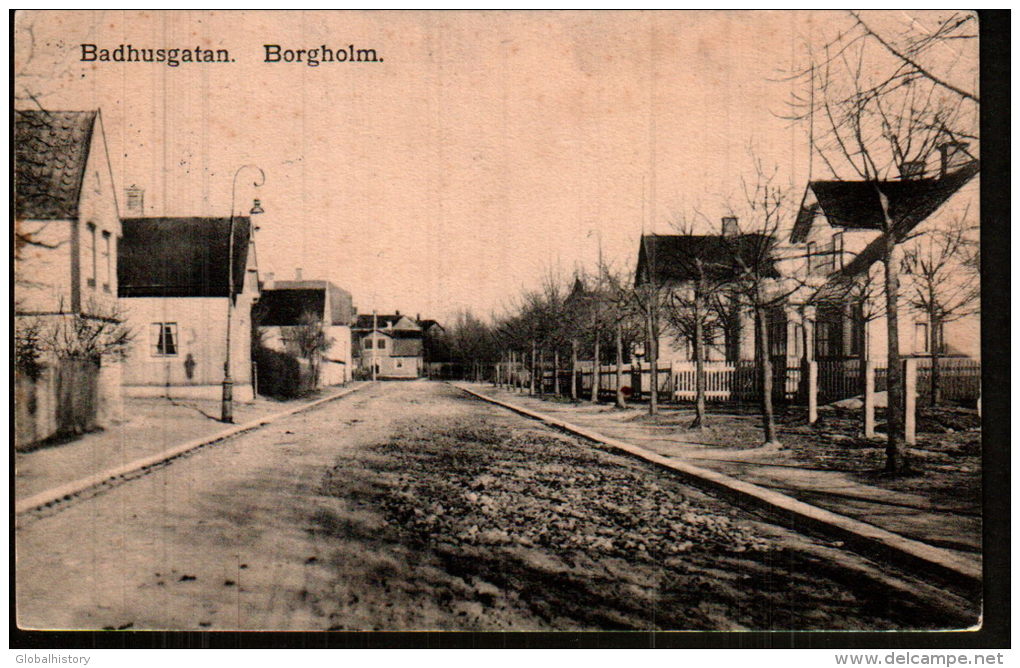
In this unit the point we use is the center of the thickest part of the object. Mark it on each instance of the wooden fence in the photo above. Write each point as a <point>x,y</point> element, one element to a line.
<point>738,381</point>
<point>959,380</point>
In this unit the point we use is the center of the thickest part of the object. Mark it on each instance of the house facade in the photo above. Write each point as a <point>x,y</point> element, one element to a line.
<point>391,345</point>
<point>286,305</point>
<point>675,263</point>
<point>836,246</point>
<point>174,285</point>
<point>67,233</point>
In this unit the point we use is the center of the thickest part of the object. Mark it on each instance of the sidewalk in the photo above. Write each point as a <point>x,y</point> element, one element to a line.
<point>152,425</point>
<point>934,521</point>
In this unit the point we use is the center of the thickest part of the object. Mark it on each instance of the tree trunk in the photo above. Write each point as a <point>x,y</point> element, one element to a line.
<point>936,352</point>
<point>621,401</point>
<point>765,374</point>
<point>699,364</point>
<point>531,376</point>
<point>556,372</point>
<point>896,455</point>
<point>573,369</point>
<point>653,359</point>
<point>595,369</point>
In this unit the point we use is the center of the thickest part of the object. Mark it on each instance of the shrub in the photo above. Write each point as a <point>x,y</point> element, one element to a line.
<point>279,374</point>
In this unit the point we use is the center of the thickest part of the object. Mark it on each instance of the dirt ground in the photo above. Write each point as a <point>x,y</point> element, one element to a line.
<point>410,506</point>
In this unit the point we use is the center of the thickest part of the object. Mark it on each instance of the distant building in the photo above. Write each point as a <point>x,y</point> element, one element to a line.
<point>284,304</point>
<point>67,230</point>
<point>174,284</point>
<point>391,344</point>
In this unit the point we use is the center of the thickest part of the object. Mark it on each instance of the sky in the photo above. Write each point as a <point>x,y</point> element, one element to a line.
<point>486,150</point>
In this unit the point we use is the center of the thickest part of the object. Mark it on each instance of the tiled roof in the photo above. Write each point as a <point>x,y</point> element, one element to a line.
<point>50,152</point>
<point>673,258</point>
<point>180,257</point>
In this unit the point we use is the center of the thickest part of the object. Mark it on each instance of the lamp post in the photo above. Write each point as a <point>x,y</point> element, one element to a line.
<point>227,405</point>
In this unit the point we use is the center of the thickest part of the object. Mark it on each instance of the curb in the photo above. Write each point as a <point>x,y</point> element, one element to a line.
<point>796,514</point>
<point>71,489</point>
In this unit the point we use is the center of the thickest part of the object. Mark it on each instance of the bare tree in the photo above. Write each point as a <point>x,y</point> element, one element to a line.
<point>95,332</point>
<point>943,281</point>
<point>755,281</point>
<point>311,340</point>
<point>689,305</point>
<point>622,315</point>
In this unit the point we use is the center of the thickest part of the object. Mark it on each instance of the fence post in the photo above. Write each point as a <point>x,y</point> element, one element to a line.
<point>869,399</point>
<point>812,397</point>
<point>910,401</point>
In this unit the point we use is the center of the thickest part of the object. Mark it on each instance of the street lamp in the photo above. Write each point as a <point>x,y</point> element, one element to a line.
<point>227,406</point>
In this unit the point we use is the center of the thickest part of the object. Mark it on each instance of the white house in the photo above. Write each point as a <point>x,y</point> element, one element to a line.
<point>67,231</point>
<point>838,242</point>
<point>175,287</point>
<point>281,308</point>
<point>392,344</point>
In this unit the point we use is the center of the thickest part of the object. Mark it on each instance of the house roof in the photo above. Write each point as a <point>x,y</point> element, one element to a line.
<point>426,325</point>
<point>365,321</point>
<point>856,205</point>
<point>51,149</point>
<point>340,302</point>
<point>673,258</point>
<point>284,308</point>
<point>180,257</point>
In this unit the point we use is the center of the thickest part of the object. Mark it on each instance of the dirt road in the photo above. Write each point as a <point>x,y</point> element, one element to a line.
<point>410,506</point>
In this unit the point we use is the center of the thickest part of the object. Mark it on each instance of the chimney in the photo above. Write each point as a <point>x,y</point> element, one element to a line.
<point>297,274</point>
<point>912,170</point>
<point>398,313</point>
<point>269,281</point>
<point>417,317</point>
<point>953,154</point>
<point>730,226</point>
<point>135,201</point>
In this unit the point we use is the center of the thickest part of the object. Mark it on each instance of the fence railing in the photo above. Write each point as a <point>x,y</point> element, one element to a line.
<point>960,380</point>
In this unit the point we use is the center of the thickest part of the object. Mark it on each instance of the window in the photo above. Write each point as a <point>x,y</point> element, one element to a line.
<point>777,330</point>
<point>837,251</point>
<point>90,254</point>
<point>921,342</point>
<point>164,338</point>
<point>368,343</point>
<point>107,261</point>
<point>810,256</point>
<point>382,344</point>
